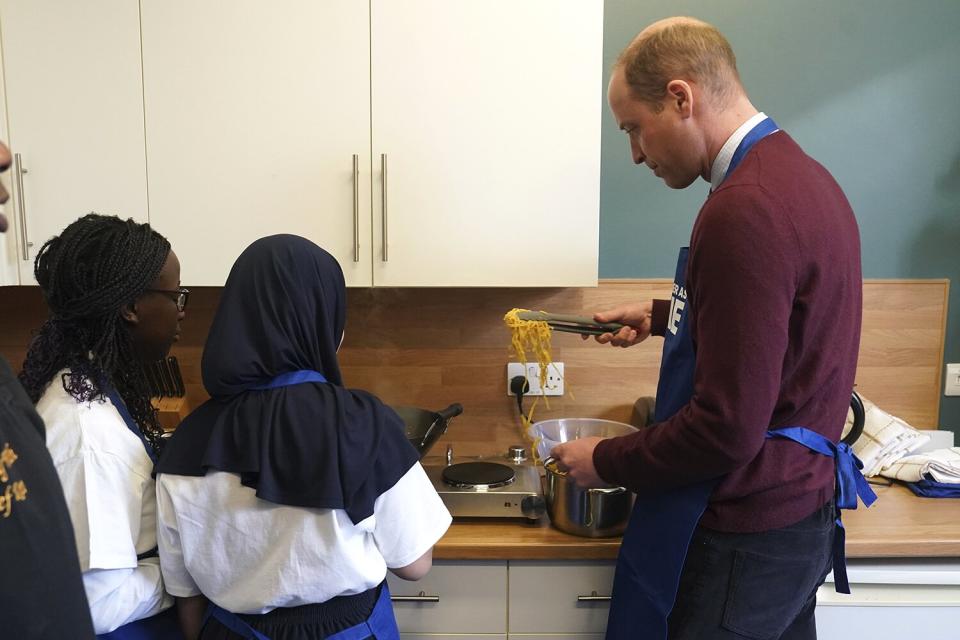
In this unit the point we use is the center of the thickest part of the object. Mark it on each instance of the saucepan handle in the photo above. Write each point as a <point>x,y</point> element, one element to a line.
<point>451,412</point>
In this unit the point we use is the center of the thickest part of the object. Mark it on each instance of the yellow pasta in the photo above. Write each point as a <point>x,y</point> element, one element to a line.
<point>531,336</point>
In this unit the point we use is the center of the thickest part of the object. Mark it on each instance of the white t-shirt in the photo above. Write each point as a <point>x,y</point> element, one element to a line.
<point>105,472</point>
<point>248,555</point>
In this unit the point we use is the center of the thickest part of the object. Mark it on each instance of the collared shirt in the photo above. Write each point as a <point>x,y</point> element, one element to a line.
<point>251,556</point>
<point>722,162</point>
<point>105,473</point>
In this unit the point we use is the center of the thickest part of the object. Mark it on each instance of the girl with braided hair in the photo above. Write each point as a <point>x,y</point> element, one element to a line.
<point>113,290</point>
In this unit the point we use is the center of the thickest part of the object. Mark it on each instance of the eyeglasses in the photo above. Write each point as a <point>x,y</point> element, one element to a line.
<point>179,296</point>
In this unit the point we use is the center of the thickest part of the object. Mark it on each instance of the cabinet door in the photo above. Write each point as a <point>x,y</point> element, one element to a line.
<point>454,598</point>
<point>486,114</point>
<point>457,636</point>
<point>254,113</point>
<point>889,612</point>
<point>75,111</point>
<point>559,597</point>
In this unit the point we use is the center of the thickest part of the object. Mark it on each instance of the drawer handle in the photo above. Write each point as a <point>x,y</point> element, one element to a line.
<point>420,597</point>
<point>593,597</point>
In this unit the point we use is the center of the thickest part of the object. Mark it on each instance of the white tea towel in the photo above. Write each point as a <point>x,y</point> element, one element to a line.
<point>885,438</point>
<point>942,465</point>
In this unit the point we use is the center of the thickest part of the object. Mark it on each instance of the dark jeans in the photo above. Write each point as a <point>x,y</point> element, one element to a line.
<point>760,586</point>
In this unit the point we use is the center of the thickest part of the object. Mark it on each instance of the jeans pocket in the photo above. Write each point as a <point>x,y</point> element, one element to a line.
<point>766,592</point>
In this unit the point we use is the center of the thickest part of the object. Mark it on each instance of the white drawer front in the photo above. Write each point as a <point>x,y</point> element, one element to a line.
<point>555,636</point>
<point>889,612</point>
<point>471,598</point>
<point>456,636</point>
<point>554,597</point>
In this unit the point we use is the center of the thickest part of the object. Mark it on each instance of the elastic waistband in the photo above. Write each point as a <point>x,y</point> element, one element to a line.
<point>339,612</point>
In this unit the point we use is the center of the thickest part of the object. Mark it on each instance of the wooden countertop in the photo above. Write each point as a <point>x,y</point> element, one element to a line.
<point>899,525</point>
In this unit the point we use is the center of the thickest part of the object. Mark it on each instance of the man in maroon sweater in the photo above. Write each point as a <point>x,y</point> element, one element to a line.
<point>768,299</point>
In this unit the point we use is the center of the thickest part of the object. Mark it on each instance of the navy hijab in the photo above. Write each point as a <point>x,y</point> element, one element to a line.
<point>307,445</point>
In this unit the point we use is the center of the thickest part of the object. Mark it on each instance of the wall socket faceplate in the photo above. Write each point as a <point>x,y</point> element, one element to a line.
<point>531,370</point>
<point>951,386</point>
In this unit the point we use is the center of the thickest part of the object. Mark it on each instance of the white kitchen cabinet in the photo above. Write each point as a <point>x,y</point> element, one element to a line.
<point>475,125</point>
<point>256,114</point>
<point>892,600</point>
<point>454,598</point>
<point>9,269</point>
<point>553,598</point>
<point>74,102</point>
<point>487,116</point>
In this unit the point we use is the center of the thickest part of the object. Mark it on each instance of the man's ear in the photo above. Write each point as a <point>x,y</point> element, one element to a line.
<point>129,313</point>
<point>680,94</point>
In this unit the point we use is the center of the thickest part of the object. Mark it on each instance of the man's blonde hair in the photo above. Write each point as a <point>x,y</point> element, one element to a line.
<point>684,49</point>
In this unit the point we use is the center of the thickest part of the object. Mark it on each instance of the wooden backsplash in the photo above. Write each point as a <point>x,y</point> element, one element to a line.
<point>431,347</point>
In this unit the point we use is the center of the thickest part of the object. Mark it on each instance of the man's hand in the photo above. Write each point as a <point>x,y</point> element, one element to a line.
<point>576,458</point>
<point>637,319</point>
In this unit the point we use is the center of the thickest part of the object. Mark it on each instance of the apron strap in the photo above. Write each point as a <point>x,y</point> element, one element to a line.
<point>128,420</point>
<point>233,622</point>
<point>291,378</point>
<point>850,484</point>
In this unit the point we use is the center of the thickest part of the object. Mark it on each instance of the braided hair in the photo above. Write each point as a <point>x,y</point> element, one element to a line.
<point>88,273</point>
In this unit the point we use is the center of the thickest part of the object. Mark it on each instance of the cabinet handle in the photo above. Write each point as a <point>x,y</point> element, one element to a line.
<point>593,597</point>
<point>383,200</point>
<point>420,597</point>
<point>356,208</point>
<point>18,172</point>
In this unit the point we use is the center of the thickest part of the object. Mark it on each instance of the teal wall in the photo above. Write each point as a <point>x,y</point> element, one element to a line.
<point>871,89</point>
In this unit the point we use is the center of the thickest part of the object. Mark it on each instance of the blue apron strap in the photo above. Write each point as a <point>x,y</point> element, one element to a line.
<point>121,407</point>
<point>850,484</point>
<point>233,622</point>
<point>291,378</point>
<point>381,623</point>
<point>759,132</point>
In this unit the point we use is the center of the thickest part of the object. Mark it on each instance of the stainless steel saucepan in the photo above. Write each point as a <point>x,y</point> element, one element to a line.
<point>594,513</point>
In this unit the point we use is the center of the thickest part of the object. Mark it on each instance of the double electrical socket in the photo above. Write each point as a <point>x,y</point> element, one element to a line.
<point>553,385</point>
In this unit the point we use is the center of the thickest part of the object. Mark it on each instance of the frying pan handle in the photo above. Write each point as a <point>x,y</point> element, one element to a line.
<point>859,417</point>
<point>450,412</point>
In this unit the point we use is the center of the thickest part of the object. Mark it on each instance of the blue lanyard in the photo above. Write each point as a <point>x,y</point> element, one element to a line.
<point>850,485</point>
<point>755,135</point>
<point>291,378</point>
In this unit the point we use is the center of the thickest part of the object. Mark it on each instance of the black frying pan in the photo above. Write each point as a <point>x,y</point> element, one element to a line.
<point>425,427</point>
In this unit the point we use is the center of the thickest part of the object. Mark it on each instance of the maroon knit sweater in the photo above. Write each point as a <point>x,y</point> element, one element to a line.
<point>775,288</point>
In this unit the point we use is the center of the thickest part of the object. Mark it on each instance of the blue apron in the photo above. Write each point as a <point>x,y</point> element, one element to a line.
<point>381,623</point>
<point>164,625</point>
<point>661,525</point>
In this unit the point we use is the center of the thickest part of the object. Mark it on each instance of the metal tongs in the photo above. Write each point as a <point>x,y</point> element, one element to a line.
<point>571,324</point>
